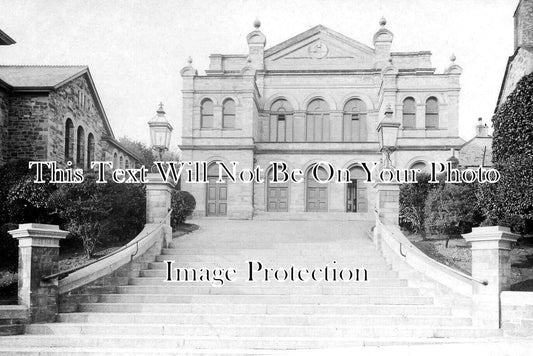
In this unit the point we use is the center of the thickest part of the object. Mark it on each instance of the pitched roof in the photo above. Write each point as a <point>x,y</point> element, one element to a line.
<point>39,77</point>
<point>313,31</point>
<point>5,39</point>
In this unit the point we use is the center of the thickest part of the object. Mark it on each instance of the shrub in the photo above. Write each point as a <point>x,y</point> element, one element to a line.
<point>412,203</point>
<point>10,173</point>
<point>28,201</point>
<point>8,248</point>
<point>512,156</point>
<point>182,204</point>
<point>451,209</point>
<point>100,212</point>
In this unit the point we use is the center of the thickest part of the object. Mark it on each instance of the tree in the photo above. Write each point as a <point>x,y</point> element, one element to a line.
<point>451,209</point>
<point>141,149</point>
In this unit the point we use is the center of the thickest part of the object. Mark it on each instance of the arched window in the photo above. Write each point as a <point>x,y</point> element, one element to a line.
<point>228,114</point>
<point>90,150</point>
<point>206,113</point>
<point>69,140</point>
<point>432,113</point>
<point>127,163</point>
<point>80,149</point>
<point>354,123</point>
<point>317,121</point>
<point>420,165</point>
<point>115,160</point>
<point>280,121</point>
<point>121,162</point>
<point>409,113</point>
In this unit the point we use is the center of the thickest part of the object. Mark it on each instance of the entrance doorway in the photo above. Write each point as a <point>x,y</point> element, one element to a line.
<point>277,195</point>
<point>356,192</point>
<point>317,193</point>
<point>217,193</point>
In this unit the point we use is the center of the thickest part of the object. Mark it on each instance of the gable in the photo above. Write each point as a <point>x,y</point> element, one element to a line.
<point>319,49</point>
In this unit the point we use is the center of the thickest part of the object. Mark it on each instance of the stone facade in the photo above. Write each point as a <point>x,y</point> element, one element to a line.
<point>478,150</point>
<point>35,121</point>
<point>318,96</point>
<point>520,63</point>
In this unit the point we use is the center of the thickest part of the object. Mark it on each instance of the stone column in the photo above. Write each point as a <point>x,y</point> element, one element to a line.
<point>491,247</point>
<point>388,201</point>
<point>158,194</point>
<point>38,257</point>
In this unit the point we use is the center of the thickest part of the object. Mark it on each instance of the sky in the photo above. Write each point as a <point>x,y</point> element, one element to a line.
<point>136,49</point>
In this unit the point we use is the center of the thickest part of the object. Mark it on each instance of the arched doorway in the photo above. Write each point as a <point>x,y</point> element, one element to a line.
<point>217,193</point>
<point>356,193</point>
<point>277,195</point>
<point>317,193</point>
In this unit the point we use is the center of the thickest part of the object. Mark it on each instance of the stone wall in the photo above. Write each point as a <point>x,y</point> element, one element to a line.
<point>64,104</point>
<point>520,66</point>
<point>471,153</point>
<point>517,313</point>
<point>524,24</point>
<point>4,107</point>
<point>27,127</point>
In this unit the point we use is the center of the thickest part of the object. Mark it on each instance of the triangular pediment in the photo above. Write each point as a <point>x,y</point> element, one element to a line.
<point>319,48</point>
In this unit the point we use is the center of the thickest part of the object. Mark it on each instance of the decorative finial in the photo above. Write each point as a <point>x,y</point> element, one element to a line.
<point>453,58</point>
<point>160,110</point>
<point>249,60</point>
<point>257,24</point>
<point>189,60</point>
<point>480,119</point>
<point>382,21</point>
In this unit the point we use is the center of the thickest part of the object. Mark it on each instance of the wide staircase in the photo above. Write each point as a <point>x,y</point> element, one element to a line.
<point>148,315</point>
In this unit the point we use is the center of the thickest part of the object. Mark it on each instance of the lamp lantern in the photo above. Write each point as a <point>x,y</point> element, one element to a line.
<point>388,136</point>
<point>160,131</point>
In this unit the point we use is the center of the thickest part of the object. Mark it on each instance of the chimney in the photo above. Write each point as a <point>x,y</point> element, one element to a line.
<point>482,130</point>
<point>523,24</point>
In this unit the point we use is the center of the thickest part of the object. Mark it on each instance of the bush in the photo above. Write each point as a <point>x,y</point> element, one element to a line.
<point>451,209</point>
<point>94,212</point>
<point>513,157</point>
<point>182,204</point>
<point>8,248</point>
<point>412,203</point>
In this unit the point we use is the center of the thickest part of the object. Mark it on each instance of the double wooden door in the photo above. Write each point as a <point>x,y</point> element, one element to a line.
<point>217,197</point>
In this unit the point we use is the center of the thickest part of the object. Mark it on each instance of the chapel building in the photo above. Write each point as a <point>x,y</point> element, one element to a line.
<point>317,96</point>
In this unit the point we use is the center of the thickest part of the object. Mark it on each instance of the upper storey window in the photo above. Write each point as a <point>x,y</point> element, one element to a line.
<point>69,140</point>
<point>206,113</point>
<point>280,121</point>
<point>432,113</point>
<point>228,114</point>
<point>317,121</point>
<point>354,122</point>
<point>409,113</point>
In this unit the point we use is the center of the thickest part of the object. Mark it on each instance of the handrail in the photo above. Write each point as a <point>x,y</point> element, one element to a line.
<point>451,269</point>
<point>135,241</point>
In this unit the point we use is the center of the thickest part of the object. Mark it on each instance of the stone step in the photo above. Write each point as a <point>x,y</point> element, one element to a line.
<point>355,288</point>
<point>271,299</point>
<point>241,283</point>
<point>211,262</point>
<point>262,319</point>
<point>264,331</point>
<point>312,216</point>
<point>13,329</point>
<point>298,260</point>
<point>271,309</point>
<point>373,275</point>
<point>146,343</point>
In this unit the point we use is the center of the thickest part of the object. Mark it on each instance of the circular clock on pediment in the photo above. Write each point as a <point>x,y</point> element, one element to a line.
<point>318,50</point>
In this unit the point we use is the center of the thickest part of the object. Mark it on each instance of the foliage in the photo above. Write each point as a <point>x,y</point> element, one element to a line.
<point>28,201</point>
<point>94,211</point>
<point>10,173</point>
<point>182,204</point>
<point>451,209</point>
<point>141,149</point>
<point>513,157</point>
<point>8,248</point>
<point>412,203</point>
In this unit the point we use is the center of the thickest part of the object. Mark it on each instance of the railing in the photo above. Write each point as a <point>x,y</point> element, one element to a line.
<point>406,248</point>
<point>135,241</point>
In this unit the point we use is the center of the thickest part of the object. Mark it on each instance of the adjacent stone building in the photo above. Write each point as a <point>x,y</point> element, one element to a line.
<point>317,96</point>
<point>478,150</point>
<point>521,62</point>
<point>54,113</point>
